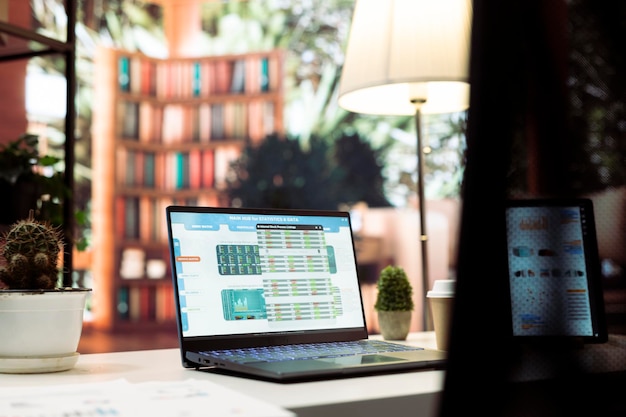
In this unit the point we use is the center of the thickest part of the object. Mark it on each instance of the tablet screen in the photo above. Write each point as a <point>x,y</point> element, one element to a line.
<point>553,270</point>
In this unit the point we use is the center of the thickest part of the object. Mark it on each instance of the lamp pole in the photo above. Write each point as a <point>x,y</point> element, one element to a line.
<point>418,102</point>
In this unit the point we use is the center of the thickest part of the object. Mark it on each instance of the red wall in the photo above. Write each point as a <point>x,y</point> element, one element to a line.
<point>13,78</point>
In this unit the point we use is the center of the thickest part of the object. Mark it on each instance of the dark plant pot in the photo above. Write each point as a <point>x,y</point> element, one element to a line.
<point>394,325</point>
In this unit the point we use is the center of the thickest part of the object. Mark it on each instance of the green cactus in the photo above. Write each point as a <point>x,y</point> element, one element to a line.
<point>31,250</point>
<point>395,292</point>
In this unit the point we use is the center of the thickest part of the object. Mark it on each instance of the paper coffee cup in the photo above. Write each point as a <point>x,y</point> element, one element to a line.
<point>441,299</point>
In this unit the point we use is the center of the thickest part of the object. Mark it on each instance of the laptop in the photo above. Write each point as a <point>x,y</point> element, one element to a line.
<point>554,271</point>
<point>250,284</point>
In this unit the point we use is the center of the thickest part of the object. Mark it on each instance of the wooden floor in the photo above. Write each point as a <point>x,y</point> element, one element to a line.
<point>95,341</point>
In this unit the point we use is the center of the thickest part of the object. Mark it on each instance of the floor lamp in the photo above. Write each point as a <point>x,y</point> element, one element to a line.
<point>408,57</point>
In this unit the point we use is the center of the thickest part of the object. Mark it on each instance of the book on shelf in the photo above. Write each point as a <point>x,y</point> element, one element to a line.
<point>149,169</point>
<point>204,123</point>
<point>238,81</point>
<point>208,169</point>
<point>223,76</point>
<point>131,217</point>
<point>128,114</point>
<point>148,77</point>
<point>122,307</point>
<point>195,170</point>
<point>217,121</point>
<point>148,227</point>
<point>123,78</point>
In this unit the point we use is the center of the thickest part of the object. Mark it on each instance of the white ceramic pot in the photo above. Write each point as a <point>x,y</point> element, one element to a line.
<point>394,325</point>
<point>40,330</point>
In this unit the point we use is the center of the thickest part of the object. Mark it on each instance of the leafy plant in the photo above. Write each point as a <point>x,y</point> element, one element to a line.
<point>24,183</point>
<point>31,181</point>
<point>278,172</point>
<point>18,159</point>
<point>395,292</point>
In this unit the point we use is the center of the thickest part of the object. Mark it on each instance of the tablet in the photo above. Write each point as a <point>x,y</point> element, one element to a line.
<point>554,270</point>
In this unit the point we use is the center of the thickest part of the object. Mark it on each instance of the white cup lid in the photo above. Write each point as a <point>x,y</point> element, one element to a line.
<point>442,288</point>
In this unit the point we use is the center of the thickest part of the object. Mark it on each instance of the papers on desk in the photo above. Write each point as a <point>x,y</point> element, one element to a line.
<point>121,398</point>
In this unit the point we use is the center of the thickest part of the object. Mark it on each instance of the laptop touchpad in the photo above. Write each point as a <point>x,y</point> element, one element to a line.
<point>361,360</point>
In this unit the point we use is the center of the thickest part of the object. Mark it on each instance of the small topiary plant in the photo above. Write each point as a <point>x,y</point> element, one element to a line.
<point>395,292</point>
<point>31,250</point>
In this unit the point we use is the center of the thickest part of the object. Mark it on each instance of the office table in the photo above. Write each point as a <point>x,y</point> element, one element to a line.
<point>415,393</point>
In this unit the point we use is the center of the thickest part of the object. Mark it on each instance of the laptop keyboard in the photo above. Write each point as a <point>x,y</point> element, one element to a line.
<point>308,351</point>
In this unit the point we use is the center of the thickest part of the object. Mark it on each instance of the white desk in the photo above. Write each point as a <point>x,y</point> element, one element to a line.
<point>409,393</point>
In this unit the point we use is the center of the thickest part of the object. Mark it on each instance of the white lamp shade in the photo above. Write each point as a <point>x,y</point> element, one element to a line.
<point>401,50</point>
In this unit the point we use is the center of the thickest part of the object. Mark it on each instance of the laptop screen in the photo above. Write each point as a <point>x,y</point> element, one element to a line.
<point>257,272</point>
<point>554,271</point>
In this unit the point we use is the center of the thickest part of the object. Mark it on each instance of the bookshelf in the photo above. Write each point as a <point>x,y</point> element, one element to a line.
<point>165,132</point>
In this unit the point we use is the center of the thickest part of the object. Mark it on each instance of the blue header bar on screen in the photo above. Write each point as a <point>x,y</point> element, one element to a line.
<point>248,222</point>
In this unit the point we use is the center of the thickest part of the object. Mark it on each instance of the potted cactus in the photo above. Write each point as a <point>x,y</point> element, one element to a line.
<point>394,303</point>
<point>40,322</point>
